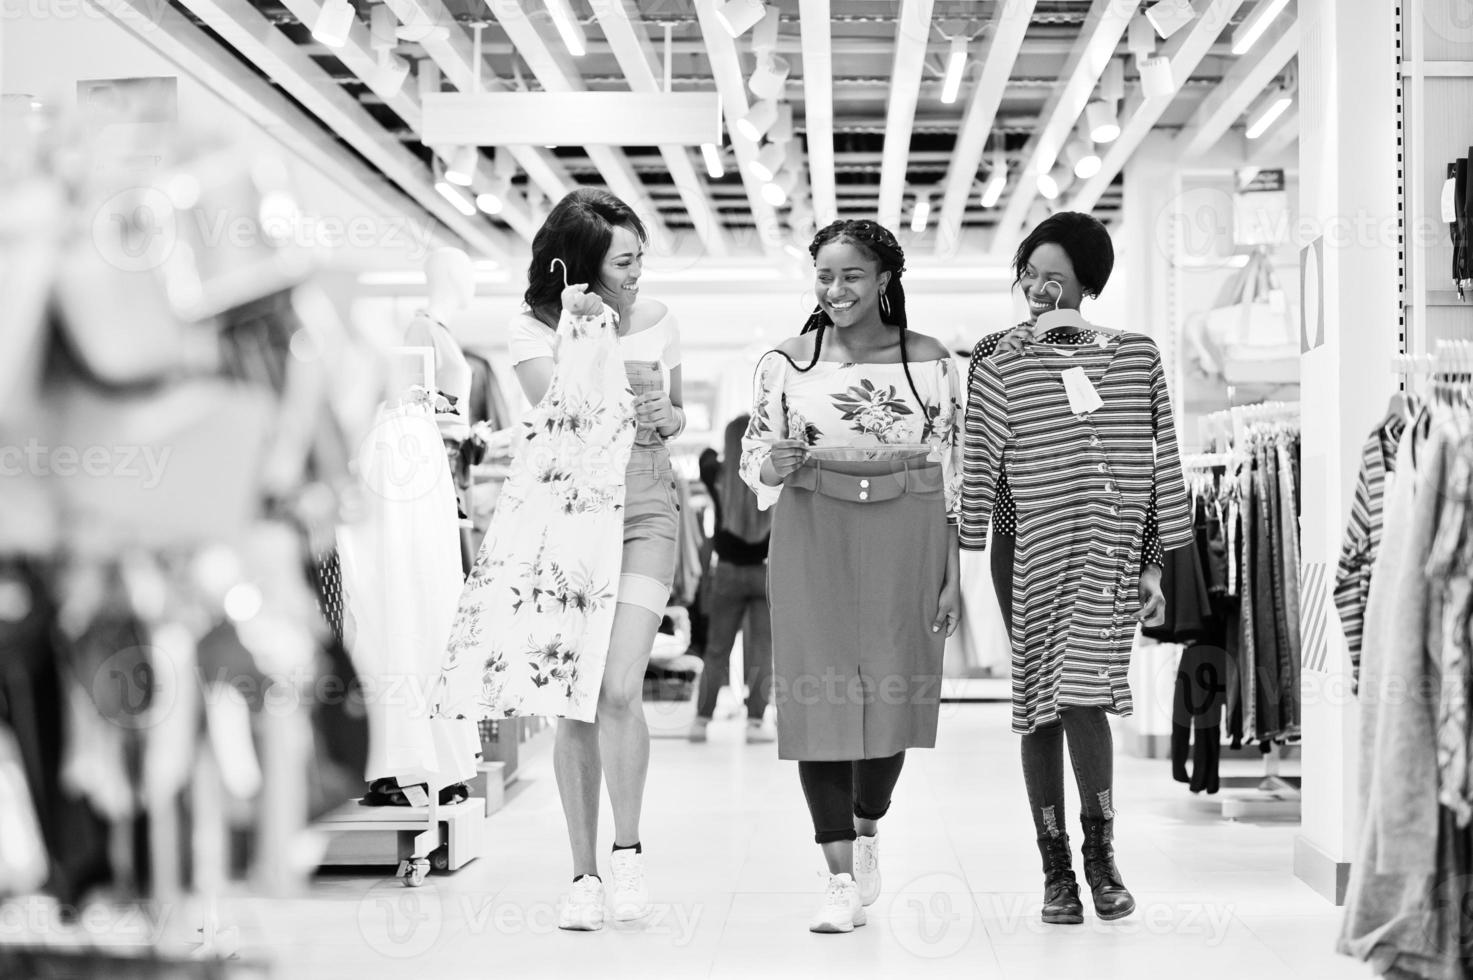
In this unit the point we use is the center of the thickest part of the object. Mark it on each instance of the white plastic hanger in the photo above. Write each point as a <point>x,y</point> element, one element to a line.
<point>1058,318</point>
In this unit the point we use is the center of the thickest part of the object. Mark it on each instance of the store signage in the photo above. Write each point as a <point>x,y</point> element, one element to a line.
<point>584,118</point>
<point>1261,214</point>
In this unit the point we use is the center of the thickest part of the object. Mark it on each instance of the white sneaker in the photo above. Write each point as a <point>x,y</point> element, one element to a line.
<point>841,910</point>
<point>867,868</point>
<point>757,732</point>
<point>698,729</point>
<point>631,897</point>
<point>583,907</point>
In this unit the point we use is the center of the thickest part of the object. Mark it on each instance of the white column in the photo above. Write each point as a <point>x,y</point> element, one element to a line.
<point>1348,205</point>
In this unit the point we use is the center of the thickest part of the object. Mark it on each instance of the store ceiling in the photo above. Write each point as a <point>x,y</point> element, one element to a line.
<point>865,87</point>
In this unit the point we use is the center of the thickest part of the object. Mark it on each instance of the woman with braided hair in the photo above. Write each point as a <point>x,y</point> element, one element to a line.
<point>854,437</point>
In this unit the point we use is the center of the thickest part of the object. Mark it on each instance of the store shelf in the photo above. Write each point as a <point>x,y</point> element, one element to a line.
<point>1437,69</point>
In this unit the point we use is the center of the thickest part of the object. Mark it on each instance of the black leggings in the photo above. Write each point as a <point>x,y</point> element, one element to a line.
<point>837,792</point>
<point>1091,750</point>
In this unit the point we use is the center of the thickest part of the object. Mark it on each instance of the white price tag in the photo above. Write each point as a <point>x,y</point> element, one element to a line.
<point>1450,200</point>
<point>1083,398</point>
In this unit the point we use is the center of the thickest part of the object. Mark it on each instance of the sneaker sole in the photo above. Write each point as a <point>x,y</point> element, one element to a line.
<point>580,927</point>
<point>627,915</point>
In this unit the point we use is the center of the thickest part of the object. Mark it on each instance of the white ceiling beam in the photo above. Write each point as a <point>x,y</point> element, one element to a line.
<point>731,85</point>
<point>912,36</point>
<point>555,69</point>
<point>199,55</point>
<point>623,27</point>
<point>818,106</point>
<point>1009,25</point>
<point>1099,35</point>
<point>1243,83</point>
<point>240,25</point>
<point>358,56</point>
<point>1184,52</point>
<point>454,53</point>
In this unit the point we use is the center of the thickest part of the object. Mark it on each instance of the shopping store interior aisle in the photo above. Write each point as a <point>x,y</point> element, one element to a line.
<point>734,875</point>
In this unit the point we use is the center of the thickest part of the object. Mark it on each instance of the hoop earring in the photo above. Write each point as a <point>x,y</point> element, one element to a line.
<point>885,304</point>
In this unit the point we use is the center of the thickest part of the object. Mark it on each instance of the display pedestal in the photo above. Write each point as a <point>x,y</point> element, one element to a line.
<point>394,835</point>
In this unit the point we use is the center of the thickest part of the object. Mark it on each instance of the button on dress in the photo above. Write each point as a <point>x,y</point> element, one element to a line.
<point>1083,486</point>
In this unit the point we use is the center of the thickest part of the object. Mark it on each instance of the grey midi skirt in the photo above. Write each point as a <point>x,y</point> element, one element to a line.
<point>855,566</point>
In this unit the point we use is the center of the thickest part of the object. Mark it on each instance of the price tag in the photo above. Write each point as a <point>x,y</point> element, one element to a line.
<point>416,795</point>
<point>1083,398</point>
<point>1450,201</point>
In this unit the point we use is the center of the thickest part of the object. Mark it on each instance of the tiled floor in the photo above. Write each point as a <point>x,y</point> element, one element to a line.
<point>735,875</point>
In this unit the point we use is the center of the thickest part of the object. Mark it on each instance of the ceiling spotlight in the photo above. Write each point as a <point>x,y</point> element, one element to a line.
<point>770,76</point>
<point>383,28</point>
<point>774,195</point>
<point>1170,16</point>
<point>1140,37</point>
<point>1269,108</point>
<point>1048,186</point>
<point>782,130</point>
<point>334,23</point>
<point>956,67</point>
<point>764,35</point>
<point>713,161</point>
<point>740,16</point>
<point>920,214</point>
<point>461,167</point>
<point>769,161</point>
<point>1252,29</point>
<point>1112,81</point>
<point>387,78</point>
<point>567,26</point>
<point>1088,164</point>
<point>758,120</point>
<point>1104,127</point>
<point>490,202</point>
<point>1156,79</point>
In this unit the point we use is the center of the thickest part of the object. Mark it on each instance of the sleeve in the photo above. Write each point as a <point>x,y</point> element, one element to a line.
<point>949,432</point>
<point>530,339</point>
<point>769,423</point>
<point>1151,551</point>
<point>985,440</point>
<point>1353,570</point>
<point>1173,516</point>
<point>671,356</point>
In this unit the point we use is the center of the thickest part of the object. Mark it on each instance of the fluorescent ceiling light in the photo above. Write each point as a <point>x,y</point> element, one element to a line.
<point>1104,125</point>
<point>713,161</point>
<point>769,161</point>
<point>568,27</point>
<point>334,23</point>
<point>770,76</point>
<point>774,195</point>
<point>920,214</point>
<point>758,120</point>
<point>1269,109</point>
<point>997,181</point>
<point>956,67</point>
<point>740,16</point>
<point>461,167</point>
<point>1252,29</point>
<point>456,197</point>
<point>795,251</point>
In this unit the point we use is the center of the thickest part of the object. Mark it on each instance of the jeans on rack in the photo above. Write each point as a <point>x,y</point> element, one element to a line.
<point>1288,450</point>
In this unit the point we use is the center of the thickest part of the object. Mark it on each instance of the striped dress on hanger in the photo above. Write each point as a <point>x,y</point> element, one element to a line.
<point>1082,486</point>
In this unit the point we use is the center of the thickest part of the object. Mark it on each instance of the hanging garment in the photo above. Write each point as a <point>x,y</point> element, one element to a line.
<point>1076,572</point>
<point>857,679</point>
<point>401,572</point>
<point>1196,717</point>
<point>1450,573</point>
<point>1362,538</point>
<point>1394,918</point>
<point>531,633</point>
<point>1185,590</point>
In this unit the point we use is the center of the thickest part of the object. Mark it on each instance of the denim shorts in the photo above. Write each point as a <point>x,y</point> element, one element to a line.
<point>651,512</point>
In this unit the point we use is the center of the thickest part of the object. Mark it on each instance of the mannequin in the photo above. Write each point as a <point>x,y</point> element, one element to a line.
<point>450,285</point>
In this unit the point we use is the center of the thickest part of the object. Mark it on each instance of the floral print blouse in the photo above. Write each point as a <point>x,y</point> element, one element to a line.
<point>847,404</point>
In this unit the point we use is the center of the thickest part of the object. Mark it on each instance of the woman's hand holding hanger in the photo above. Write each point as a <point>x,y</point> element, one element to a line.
<point>579,302</point>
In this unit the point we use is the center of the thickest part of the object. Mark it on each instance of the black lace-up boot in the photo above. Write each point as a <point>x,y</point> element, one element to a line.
<point>1061,905</point>
<point>1112,900</point>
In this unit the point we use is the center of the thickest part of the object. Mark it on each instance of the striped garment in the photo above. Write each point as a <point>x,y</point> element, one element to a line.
<point>1363,534</point>
<point>1082,486</point>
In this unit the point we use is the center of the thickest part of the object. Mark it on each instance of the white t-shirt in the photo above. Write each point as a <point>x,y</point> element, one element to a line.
<point>530,338</point>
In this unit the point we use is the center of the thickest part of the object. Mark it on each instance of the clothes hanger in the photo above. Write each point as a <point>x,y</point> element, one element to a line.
<point>1060,318</point>
<point>559,262</point>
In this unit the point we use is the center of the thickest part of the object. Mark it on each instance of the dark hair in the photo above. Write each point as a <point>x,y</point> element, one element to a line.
<point>879,245</point>
<point>1082,238</point>
<point>578,230</point>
